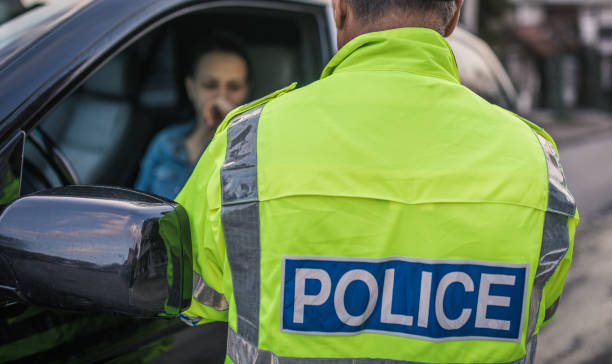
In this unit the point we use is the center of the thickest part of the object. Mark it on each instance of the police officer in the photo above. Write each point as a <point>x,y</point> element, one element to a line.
<point>382,214</point>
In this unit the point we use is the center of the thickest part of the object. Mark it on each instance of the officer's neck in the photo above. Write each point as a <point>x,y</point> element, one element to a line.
<point>354,28</point>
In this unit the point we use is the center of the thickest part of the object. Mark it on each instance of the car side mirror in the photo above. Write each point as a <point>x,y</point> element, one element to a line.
<point>96,249</point>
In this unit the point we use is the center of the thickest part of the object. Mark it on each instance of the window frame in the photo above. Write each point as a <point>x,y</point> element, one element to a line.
<point>122,44</point>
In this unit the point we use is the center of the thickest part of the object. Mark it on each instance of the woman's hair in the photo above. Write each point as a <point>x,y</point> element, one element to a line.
<point>219,42</point>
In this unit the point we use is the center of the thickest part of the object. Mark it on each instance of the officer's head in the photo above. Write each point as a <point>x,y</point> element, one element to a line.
<point>356,17</point>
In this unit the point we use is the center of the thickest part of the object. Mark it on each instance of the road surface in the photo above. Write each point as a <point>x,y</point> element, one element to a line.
<point>588,168</point>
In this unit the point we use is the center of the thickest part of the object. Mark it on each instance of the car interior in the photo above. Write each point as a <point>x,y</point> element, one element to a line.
<point>105,125</point>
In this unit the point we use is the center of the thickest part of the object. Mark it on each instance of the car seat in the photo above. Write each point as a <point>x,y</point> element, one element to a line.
<point>274,67</point>
<point>91,125</point>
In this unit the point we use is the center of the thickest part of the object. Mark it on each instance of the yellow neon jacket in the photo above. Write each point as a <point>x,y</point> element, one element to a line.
<point>386,167</point>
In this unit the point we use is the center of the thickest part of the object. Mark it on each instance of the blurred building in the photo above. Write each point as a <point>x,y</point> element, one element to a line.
<point>561,52</point>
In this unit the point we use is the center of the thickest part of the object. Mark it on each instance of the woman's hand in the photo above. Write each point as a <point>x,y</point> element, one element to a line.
<point>215,111</point>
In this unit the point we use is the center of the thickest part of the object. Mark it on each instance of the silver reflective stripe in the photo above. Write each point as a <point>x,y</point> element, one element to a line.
<point>560,200</point>
<point>239,171</point>
<point>555,235</point>
<point>243,352</point>
<point>240,219</point>
<point>551,310</point>
<point>189,320</point>
<point>529,357</point>
<point>206,295</point>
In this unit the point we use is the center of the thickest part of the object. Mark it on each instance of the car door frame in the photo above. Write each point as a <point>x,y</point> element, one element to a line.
<point>45,89</point>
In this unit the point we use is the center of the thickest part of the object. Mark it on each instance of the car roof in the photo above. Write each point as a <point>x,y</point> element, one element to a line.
<point>55,12</point>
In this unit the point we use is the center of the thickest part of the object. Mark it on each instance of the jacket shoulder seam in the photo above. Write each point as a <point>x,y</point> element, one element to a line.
<point>252,105</point>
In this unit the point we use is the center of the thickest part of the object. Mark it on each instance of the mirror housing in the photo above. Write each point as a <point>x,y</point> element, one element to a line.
<point>96,249</point>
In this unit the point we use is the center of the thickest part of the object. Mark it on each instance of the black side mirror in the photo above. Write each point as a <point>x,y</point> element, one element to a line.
<point>96,249</point>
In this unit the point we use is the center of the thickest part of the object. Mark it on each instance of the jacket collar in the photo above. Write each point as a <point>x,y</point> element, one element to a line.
<point>414,50</point>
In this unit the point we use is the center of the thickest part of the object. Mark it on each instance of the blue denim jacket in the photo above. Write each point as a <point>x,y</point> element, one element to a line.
<point>166,167</point>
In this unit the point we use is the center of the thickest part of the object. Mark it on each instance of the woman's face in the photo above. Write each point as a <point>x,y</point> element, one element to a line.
<point>219,84</point>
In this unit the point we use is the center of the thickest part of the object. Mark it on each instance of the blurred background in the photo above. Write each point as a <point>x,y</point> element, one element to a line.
<point>558,54</point>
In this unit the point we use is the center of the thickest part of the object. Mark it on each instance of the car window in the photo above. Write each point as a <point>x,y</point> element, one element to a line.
<point>105,126</point>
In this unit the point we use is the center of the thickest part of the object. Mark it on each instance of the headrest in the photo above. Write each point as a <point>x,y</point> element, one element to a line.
<point>111,79</point>
<point>274,67</point>
<point>159,89</point>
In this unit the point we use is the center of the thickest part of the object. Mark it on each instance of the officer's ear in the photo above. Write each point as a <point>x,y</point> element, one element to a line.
<point>340,13</point>
<point>450,28</point>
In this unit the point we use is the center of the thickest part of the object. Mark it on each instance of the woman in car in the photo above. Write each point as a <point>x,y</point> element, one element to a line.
<point>218,82</point>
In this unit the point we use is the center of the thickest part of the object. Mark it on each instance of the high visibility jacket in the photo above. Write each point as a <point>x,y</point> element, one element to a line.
<point>383,213</point>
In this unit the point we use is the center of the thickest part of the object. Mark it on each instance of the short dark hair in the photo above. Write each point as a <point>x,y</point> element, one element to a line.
<point>374,9</point>
<point>219,42</point>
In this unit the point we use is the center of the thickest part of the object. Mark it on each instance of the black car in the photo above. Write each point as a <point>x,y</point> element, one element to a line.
<point>85,86</point>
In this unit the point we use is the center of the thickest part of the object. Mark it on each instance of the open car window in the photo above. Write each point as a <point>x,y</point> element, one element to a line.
<point>105,126</point>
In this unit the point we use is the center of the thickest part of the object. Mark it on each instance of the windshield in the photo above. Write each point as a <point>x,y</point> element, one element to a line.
<point>23,21</point>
